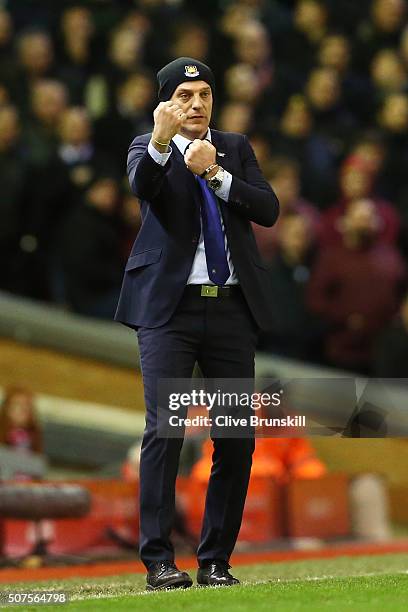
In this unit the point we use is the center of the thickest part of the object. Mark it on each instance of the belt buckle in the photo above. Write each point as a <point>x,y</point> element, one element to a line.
<point>209,291</point>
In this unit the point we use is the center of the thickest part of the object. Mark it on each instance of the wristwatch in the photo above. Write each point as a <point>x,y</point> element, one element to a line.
<point>216,181</point>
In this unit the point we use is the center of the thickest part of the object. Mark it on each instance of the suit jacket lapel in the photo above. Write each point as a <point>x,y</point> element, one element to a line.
<point>221,145</point>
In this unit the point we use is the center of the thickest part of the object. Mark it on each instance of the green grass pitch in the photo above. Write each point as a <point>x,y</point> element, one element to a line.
<point>371,583</point>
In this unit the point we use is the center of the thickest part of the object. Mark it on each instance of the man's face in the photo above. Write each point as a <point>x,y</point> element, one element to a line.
<point>361,222</point>
<point>196,101</point>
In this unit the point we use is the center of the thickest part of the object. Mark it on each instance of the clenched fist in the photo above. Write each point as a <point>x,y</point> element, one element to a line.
<point>199,155</point>
<point>168,117</point>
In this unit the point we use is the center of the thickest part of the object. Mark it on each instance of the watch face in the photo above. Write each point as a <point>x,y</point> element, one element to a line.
<point>215,183</point>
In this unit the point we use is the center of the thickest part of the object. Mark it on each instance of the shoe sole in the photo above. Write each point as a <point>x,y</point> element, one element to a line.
<point>206,584</point>
<point>176,584</point>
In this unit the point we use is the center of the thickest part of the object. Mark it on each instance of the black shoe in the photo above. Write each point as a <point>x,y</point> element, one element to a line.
<point>216,574</point>
<point>166,575</point>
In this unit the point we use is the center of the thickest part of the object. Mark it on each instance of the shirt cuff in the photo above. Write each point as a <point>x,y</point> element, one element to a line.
<point>224,191</point>
<point>159,158</point>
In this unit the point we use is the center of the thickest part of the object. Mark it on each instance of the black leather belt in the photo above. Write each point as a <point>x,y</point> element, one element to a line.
<point>213,291</point>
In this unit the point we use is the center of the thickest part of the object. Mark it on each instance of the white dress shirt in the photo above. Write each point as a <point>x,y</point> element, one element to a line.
<point>199,272</point>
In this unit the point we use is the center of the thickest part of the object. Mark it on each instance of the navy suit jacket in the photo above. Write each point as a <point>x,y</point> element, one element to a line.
<point>162,255</point>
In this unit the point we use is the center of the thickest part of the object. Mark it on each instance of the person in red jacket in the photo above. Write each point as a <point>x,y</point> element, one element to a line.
<point>19,426</point>
<point>356,180</point>
<point>356,287</point>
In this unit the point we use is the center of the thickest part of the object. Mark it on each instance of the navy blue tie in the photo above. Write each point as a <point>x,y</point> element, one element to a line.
<point>217,263</point>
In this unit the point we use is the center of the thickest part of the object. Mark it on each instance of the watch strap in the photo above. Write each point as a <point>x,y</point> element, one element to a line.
<point>216,181</point>
<point>207,170</point>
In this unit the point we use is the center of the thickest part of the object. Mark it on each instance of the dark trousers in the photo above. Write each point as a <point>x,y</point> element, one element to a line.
<point>220,334</point>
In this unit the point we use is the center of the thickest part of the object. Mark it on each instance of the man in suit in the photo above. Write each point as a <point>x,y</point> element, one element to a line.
<point>195,290</point>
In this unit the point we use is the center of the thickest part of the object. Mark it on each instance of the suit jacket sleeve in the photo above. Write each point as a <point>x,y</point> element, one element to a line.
<point>253,197</point>
<point>146,177</point>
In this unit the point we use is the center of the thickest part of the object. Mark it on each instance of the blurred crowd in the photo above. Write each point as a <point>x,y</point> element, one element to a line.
<point>319,86</point>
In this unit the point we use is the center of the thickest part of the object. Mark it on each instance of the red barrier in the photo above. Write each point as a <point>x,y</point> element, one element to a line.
<point>318,508</point>
<point>262,519</point>
<point>114,506</point>
<point>303,508</point>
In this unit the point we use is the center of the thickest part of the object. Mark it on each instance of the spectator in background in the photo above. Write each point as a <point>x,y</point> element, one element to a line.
<point>73,161</point>
<point>4,96</point>
<point>333,122</point>
<point>89,259</point>
<point>335,52</point>
<point>295,126</point>
<point>393,119</point>
<point>393,116</point>
<point>296,138</point>
<point>47,199</point>
<point>138,21</point>
<point>235,117</point>
<point>19,425</point>
<point>48,101</point>
<point>7,62</point>
<point>35,62</point>
<point>253,47</point>
<point>284,178</point>
<point>75,51</point>
<point>370,147</point>
<point>124,58</point>
<point>273,83</point>
<point>263,151</point>
<point>74,164</point>
<point>275,15</point>
<point>77,151</point>
<point>14,181</point>
<point>357,180</point>
<point>391,355</point>
<point>235,16</point>
<point>154,23</point>
<point>403,47</point>
<point>323,91</point>
<point>241,84</point>
<point>190,39</point>
<point>130,115</point>
<point>356,288</point>
<point>300,44</point>
<point>124,52</point>
<point>382,29</point>
<point>295,332</point>
<point>388,73</point>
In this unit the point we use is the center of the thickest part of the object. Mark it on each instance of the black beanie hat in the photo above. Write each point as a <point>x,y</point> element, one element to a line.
<point>179,71</point>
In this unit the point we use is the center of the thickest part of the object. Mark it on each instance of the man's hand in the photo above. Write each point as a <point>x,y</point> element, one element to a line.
<point>168,117</point>
<point>199,155</point>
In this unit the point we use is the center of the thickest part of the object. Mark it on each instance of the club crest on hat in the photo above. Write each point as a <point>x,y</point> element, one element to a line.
<point>191,71</point>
